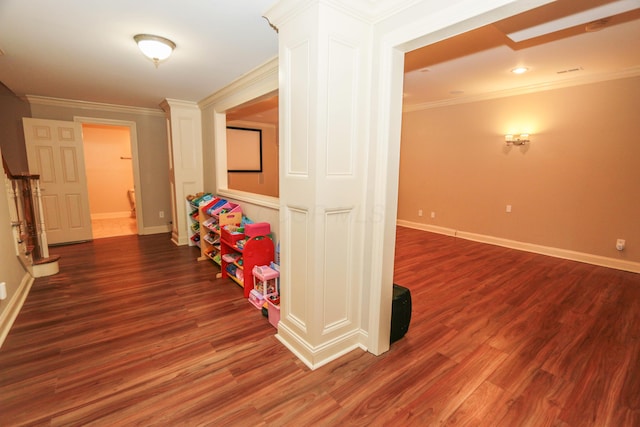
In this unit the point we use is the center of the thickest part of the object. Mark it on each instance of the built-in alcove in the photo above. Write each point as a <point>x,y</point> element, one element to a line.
<point>252,146</point>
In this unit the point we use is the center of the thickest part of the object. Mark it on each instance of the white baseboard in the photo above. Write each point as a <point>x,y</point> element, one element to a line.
<point>159,229</point>
<point>111,215</point>
<point>9,314</point>
<point>602,261</point>
<point>315,357</point>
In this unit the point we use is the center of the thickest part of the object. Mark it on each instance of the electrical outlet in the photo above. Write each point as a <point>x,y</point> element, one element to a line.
<point>508,208</point>
<point>620,244</point>
<point>433,214</point>
<point>419,212</point>
<point>161,214</point>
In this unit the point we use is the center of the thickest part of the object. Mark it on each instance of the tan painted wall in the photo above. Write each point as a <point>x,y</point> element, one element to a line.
<point>12,110</point>
<point>575,187</point>
<point>11,271</point>
<point>108,176</point>
<point>265,183</point>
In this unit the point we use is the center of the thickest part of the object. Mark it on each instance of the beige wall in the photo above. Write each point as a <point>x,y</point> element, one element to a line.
<point>109,176</point>
<point>12,110</point>
<point>11,270</point>
<point>575,187</point>
<point>265,183</point>
<point>153,154</point>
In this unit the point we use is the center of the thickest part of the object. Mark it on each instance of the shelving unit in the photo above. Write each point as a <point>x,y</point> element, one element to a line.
<point>193,216</point>
<point>241,254</point>
<point>217,227</point>
<point>214,215</point>
<point>193,225</point>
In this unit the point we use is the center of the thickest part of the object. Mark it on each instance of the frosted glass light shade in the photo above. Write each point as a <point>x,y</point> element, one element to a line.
<point>153,47</point>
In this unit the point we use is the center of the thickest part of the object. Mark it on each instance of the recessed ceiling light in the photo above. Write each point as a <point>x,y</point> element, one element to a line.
<point>519,70</point>
<point>456,92</point>
<point>424,70</point>
<point>592,27</point>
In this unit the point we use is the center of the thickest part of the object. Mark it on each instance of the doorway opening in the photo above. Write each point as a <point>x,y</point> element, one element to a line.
<point>110,152</point>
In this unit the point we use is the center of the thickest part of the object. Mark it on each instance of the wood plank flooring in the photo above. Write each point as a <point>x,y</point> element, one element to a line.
<point>134,331</point>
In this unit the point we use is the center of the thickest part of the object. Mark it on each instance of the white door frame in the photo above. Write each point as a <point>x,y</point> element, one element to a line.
<point>133,137</point>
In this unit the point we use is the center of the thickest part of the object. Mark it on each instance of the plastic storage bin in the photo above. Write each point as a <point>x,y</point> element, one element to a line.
<point>274,314</point>
<point>256,298</point>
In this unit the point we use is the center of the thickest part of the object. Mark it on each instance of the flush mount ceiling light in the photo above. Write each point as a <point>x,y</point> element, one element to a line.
<point>153,47</point>
<point>519,70</point>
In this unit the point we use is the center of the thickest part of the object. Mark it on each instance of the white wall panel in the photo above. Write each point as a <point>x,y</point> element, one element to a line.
<point>297,155</point>
<point>187,141</point>
<point>338,272</point>
<point>297,270</point>
<point>342,98</point>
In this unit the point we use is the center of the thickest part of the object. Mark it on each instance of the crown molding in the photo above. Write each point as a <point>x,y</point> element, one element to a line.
<point>95,106</point>
<point>596,78</point>
<point>372,11</point>
<point>251,124</point>
<point>265,74</point>
<point>169,103</point>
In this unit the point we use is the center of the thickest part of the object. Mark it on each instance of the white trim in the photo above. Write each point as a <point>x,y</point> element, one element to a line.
<point>158,229</point>
<point>598,260</point>
<point>253,198</point>
<point>111,215</point>
<point>316,357</point>
<point>14,305</point>
<point>427,227</point>
<point>44,270</point>
<point>250,124</point>
<point>98,106</point>
<point>231,95</point>
<point>373,11</point>
<point>540,87</point>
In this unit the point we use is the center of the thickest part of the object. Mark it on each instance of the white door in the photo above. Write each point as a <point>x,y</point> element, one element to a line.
<point>55,152</point>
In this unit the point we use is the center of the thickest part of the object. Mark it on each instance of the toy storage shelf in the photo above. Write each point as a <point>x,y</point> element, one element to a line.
<point>193,225</point>
<point>193,216</point>
<point>215,214</point>
<point>257,250</point>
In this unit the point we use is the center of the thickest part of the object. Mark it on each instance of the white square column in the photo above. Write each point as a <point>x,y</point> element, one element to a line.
<point>341,67</point>
<point>324,109</point>
<point>184,127</point>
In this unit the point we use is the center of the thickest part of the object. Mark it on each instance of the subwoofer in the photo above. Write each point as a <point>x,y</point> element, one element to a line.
<point>400,312</point>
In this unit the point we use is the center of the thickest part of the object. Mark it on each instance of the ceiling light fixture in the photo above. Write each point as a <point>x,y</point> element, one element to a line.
<point>521,139</point>
<point>519,70</point>
<point>155,48</point>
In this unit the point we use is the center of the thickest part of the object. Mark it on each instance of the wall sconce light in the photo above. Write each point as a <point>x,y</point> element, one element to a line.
<point>521,139</point>
<point>155,48</point>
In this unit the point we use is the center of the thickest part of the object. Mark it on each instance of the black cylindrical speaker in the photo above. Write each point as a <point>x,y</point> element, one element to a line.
<point>400,312</point>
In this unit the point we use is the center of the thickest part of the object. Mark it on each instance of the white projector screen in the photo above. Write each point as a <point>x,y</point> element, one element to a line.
<point>244,150</point>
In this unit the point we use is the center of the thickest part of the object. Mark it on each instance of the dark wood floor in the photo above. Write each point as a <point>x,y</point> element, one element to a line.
<point>134,331</point>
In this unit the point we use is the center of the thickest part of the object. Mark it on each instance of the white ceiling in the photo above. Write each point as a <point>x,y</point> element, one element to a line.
<point>84,50</point>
